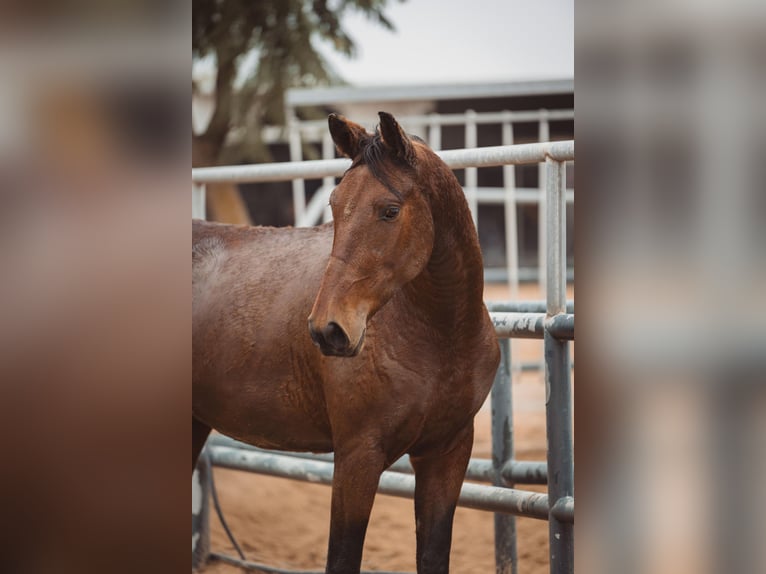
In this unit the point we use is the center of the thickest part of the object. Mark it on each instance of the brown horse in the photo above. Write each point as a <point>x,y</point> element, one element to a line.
<point>399,352</point>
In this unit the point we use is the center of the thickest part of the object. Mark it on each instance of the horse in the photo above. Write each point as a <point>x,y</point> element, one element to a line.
<point>367,336</point>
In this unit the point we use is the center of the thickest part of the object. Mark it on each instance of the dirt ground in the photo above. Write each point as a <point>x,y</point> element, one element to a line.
<point>285,523</point>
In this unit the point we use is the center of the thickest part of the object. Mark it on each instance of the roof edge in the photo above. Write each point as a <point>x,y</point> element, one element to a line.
<point>358,94</point>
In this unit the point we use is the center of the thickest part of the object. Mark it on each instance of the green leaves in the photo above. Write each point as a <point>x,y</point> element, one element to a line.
<point>285,35</point>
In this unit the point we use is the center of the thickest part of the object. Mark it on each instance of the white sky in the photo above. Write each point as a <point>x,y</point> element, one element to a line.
<point>449,41</point>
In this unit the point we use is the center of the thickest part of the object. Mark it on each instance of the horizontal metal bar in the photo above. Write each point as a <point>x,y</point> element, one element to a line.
<point>519,325</point>
<point>480,497</point>
<point>317,169</point>
<point>499,499</point>
<point>508,154</point>
<point>479,469</point>
<point>522,306</point>
<point>281,171</point>
<point>525,472</point>
<point>223,440</point>
<point>533,325</point>
<point>522,195</point>
<point>513,472</point>
<point>500,274</point>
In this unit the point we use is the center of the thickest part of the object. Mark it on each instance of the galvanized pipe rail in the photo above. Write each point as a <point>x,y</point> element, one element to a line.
<point>492,499</point>
<point>558,385</point>
<point>522,306</point>
<point>533,325</point>
<point>317,169</point>
<point>479,469</point>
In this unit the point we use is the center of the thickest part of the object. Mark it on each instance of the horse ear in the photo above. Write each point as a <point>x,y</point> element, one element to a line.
<point>347,135</point>
<point>395,139</point>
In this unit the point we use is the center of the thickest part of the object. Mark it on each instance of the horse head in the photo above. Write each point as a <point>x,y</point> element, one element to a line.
<point>383,232</point>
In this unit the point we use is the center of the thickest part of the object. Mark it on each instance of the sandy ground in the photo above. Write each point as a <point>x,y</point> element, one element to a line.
<point>284,523</point>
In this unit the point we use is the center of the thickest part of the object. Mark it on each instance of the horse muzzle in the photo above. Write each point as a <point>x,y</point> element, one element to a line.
<point>333,341</point>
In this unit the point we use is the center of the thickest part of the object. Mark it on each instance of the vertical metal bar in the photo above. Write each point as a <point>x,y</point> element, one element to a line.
<point>506,561</point>
<point>435,132</point>
<point>296,154</point>
<point>556,260</point>
<point>328,152</point>
<point>558,391</point>
<point>198,200</point>
<point>201,511</point>
<point>471,173</point>
<point>544,136</point>
<point>511,225</point>
<point>511,233</point>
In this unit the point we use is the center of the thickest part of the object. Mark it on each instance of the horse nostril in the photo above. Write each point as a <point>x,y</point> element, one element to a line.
<point>331,340</point>
<point>316,336</point>
<point>335,337</point>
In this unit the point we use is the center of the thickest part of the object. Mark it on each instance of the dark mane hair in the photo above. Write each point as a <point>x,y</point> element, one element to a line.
<point>376,156</point>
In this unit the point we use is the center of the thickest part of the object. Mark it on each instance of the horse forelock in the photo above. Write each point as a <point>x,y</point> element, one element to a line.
<point>376,156</point>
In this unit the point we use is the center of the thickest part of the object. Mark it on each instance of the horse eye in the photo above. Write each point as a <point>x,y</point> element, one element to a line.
<point>390,213</point>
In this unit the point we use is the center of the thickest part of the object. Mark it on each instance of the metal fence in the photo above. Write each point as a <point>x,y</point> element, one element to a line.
<point>551,320</point>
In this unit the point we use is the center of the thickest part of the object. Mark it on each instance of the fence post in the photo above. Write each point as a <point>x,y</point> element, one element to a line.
<point>328,152</point>
<point>296,154</point>
<point>471,173</point>
<point>434,132</point>
<point>502,452</point>
<point>543,136</point>
<point>558,390</point>
<point>198,200</point>
<point>511,233</point>
<point>201,510</point>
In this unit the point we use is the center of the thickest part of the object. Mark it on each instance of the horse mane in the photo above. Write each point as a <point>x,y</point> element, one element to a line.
<point>376,156</point>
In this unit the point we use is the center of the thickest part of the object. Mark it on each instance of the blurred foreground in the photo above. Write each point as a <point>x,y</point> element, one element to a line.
<point>671,404</point>
<point>94,295</point>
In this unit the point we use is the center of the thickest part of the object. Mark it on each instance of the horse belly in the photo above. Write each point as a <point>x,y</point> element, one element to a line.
<point>252,377</point>
<point>268,412</point>
<point>261,388</point>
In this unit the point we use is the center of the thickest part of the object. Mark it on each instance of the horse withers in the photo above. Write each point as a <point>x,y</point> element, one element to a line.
<point>367,337</point>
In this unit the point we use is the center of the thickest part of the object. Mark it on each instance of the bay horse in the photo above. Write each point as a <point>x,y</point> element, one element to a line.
<point>367,337</point>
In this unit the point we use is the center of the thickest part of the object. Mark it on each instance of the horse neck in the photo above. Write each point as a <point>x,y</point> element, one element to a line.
<point>449,291</point>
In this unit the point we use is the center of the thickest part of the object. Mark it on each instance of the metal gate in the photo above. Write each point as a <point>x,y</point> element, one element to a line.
<point>551,320</point>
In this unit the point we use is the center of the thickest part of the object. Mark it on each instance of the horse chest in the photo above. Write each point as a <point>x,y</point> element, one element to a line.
<point>460,385</point>
<point>445,388</point>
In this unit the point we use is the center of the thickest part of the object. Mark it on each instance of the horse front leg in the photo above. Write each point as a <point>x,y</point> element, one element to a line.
<point>355,482</point>
<point>438,479</point>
